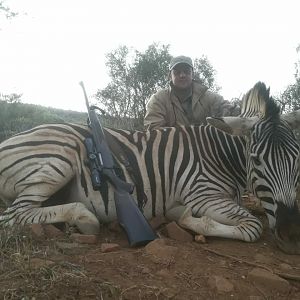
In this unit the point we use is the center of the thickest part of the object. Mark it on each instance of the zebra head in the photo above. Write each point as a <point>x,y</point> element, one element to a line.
<point>272,161</point>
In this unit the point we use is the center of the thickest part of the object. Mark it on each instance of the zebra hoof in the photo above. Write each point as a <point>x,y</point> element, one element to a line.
<point>186,220</point>
<point>88,228</point>
<point>88,225</point>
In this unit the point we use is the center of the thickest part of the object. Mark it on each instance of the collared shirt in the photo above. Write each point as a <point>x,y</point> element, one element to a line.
<point>186,102</point>
<point>187,107</point>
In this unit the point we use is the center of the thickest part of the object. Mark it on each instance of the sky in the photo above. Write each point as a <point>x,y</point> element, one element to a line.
<point>54,44</point>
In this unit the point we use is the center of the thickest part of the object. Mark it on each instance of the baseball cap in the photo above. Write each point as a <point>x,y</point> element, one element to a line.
<point>180,60</point>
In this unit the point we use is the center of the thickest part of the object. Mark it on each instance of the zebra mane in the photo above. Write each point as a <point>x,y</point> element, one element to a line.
<point>257,102</point>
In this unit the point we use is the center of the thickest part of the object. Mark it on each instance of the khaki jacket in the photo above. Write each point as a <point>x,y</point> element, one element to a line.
<point>164,109</point>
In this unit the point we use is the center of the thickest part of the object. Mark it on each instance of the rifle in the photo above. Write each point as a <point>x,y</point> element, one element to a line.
<point>137,228</point>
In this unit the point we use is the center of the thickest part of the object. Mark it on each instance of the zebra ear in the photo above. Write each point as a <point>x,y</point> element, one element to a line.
<point>233,125</point>
<point>293,119</point>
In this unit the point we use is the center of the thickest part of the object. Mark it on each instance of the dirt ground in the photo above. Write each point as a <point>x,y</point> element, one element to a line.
<point>59,268</point>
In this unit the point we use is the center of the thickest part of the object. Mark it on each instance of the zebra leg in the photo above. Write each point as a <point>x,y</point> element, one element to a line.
<point>27,208</point>
<point>72,213</point>
<point>243,226</point>
<point>175,212</point>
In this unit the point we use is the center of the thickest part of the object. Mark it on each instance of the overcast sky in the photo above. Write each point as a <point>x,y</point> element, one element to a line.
<point>54,44</point>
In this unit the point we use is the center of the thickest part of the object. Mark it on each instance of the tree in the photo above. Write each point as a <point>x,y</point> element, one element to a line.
<point>290,98</point>
<point>11,98</point>
<point>8,13</point>
<point>136,75</point>
<point>204,71</point>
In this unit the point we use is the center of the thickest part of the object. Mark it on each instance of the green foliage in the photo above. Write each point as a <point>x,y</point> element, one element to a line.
<point>11,98</point>
<point>16,117</point>
<point>204,71</point>
<point>136,75</point>
<point>290,98</point>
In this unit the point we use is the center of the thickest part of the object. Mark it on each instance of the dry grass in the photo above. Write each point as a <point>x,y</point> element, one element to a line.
<point>20,278</point>
<point>34,269</point>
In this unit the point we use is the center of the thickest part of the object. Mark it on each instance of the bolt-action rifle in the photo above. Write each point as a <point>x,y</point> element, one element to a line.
<point>137,228</point>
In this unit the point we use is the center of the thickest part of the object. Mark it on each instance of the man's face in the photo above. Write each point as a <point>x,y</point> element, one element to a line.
<point>182,76</point>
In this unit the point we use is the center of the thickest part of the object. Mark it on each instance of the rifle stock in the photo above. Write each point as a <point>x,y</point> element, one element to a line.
<point>137,228</point>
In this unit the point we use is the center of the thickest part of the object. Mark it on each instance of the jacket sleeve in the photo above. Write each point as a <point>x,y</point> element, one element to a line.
<point>156,114</point>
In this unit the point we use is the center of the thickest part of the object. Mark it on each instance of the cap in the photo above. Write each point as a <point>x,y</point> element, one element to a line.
<point>180,60</point>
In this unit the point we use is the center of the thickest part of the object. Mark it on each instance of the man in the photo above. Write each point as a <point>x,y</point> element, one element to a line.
<point>185,102</point>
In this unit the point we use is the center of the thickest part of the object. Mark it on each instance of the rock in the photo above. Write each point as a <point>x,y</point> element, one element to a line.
<point>175,232</point>
<point>163,273</point>
<point>157,222</point>
<point>84,238</point>
<point>159,252</point>
<point>200,239</point>
<point>268,280</point>
<point>221,284</point>
<point>109,247</point>
<point>285,266</point>
<point>45,231</point>
<point>51,231</point>
<point>37,230</point>
<point>145,270</point>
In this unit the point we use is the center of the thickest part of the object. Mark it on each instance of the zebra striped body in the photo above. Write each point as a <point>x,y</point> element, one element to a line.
<point>189,166</point>
<point>195,175</point>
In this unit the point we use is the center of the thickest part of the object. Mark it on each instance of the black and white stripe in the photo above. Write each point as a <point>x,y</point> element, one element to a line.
<point>195,175</point>
<point>200,167</point>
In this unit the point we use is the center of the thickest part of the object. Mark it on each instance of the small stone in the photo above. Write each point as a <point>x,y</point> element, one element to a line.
<point>220,283</point>
<point>145,270</point>
<point>163,273</point>
<point>175,232</point>
<point>109,247</point>
<point>200,239</point>
<point>84,238</point>
<point>285,266</point>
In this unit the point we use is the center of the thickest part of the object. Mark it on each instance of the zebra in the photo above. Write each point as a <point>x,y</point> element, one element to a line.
<point>194,175</point>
